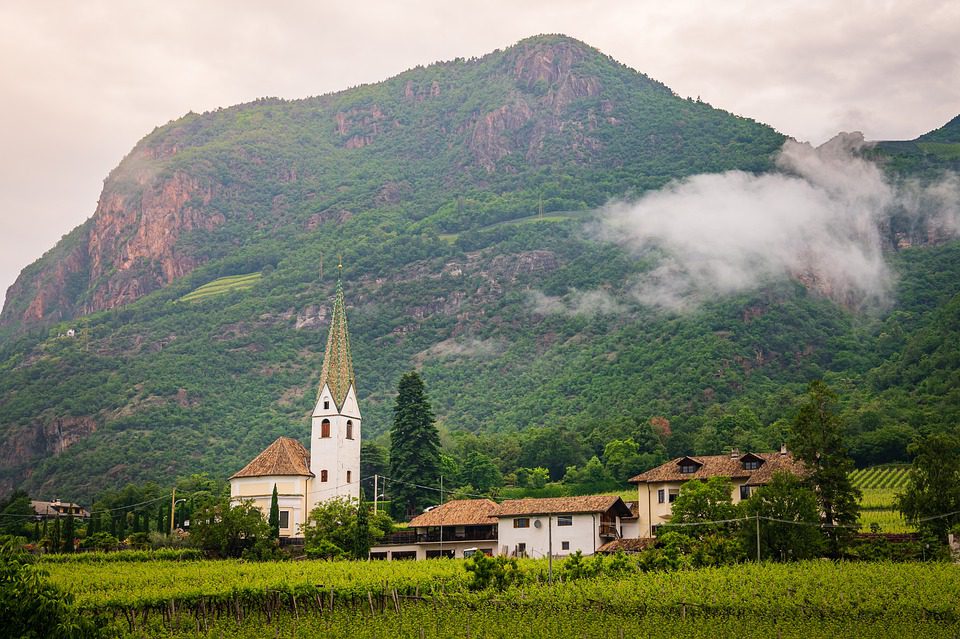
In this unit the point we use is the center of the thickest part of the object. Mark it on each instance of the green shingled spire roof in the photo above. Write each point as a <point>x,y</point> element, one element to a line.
<point>337,370</point>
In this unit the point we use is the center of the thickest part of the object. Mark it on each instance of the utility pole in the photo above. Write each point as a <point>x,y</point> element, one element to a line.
<point>758,538</point>
<point>441,516</point>
<point>550,549</point>
<point>376,492</point>
<point>173,506</point>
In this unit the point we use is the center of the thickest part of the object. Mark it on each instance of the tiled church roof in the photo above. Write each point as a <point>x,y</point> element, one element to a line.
<point>337,371</point>
<point>285,456</point>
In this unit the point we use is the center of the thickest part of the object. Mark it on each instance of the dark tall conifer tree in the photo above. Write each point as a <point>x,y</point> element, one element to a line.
<point>816,439</point>
<point>414,450</point>
<point>275,514</point>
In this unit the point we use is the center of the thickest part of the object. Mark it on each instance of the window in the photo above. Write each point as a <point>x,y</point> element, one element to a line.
<point>521,522</point>
<point>672,494</point>
<point>751,464</point>
<point>564,545</point>
<point>348,476</point>
<point>661,495</point>
<point>564,520</point>
<point>349,429</point>
<point>325,428</point>
<point>688,467</point>
<point>744,492</point>
<point>521,550</point>
<point>323,475</point>
<point>326,404</point>
<point>284,518</point>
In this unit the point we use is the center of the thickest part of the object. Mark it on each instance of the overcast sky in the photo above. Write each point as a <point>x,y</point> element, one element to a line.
<point>82,82</point>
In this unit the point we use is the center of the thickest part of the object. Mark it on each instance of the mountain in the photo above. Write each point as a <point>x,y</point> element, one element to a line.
<point>180,329</point>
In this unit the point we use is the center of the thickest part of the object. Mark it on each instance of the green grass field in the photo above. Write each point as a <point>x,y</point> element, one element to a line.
<point>222,285</point>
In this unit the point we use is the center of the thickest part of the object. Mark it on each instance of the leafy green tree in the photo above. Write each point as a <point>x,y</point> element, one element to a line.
<point>274,514</point>
<point>228,531</point>
<point>16,512</point>
<point>622,459</point>
<point>414,449</point>
<point>704,501</point>
<point>786,499</point>
<point>552,448</point>
<point>817,439</point>
<point>361,538</point>
<point>481,472</point>
<point>331,529</point>
<point>931,499</point>
<point>31,607</point>
<point>592,477</point>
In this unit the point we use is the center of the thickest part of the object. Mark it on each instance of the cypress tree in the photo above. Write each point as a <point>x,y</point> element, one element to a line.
<point>274,514</point>
<point>414,449</point>
<point>69,533</point>
<point>55,545</point>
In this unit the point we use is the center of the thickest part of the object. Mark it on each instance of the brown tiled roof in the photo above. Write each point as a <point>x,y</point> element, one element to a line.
<point>285,456</point>
<point>55,508</point>
<point>724,466</point>
<point>461,512</point>
<point>627,545</point>
<point>634,507</point>
<point>550,505</point>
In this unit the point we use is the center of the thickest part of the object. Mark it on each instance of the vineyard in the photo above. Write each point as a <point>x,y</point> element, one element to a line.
<point>880,485</point>
<point>223,285</point>
<point>876,477</point>
<point>431,599</point>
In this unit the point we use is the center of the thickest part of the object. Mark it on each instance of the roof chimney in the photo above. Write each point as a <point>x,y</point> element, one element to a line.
<point>734,453</point>
<point>783,448</point>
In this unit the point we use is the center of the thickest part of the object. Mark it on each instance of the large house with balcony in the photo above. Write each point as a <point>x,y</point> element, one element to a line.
<point>659,487</point>
<point>455,529</point>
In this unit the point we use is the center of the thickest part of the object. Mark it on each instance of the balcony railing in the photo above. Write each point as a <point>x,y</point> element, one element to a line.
<point>423,536</point>
<point>609,530</point>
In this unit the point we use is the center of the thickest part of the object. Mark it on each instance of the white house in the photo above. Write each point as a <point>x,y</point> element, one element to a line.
<point>563,525</point>
<point>331,467</point>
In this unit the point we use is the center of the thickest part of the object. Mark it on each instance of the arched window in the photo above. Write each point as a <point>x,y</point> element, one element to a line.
<point>323,475</point>
<point>348,476</point>
<point>325,428</point>
<point>326,404</point>
<point>349,429</point>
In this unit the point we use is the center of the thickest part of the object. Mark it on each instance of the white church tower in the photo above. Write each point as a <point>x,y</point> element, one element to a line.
<point>335,433</point>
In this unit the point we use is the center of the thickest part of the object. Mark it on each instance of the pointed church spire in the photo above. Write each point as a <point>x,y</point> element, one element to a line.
<point>337,372</point>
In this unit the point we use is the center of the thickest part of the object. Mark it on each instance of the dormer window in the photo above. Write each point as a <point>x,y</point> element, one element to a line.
<point>750,462</point>
<point>688,465</point>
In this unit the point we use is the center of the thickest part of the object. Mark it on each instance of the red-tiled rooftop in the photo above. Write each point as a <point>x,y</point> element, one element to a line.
<point>732,466</point>
<point>460,512</point>
<point>285,456</point>
<point>571,505</point>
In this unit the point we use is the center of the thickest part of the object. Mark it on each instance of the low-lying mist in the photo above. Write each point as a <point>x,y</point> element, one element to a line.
<point>822,219</point>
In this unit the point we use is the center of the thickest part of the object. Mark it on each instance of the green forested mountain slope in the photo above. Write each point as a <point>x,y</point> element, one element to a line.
<point>410,180</point>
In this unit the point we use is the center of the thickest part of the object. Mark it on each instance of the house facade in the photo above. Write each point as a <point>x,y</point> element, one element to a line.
<point>330,468</point>
<point>456,529</point>
<point>561,525</point>
<point>659,487</point>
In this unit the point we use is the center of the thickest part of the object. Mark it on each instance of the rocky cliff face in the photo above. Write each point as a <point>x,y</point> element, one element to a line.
<point>127,249</point>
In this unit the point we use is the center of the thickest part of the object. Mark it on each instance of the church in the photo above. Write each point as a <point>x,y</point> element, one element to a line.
<point>331,466</point>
